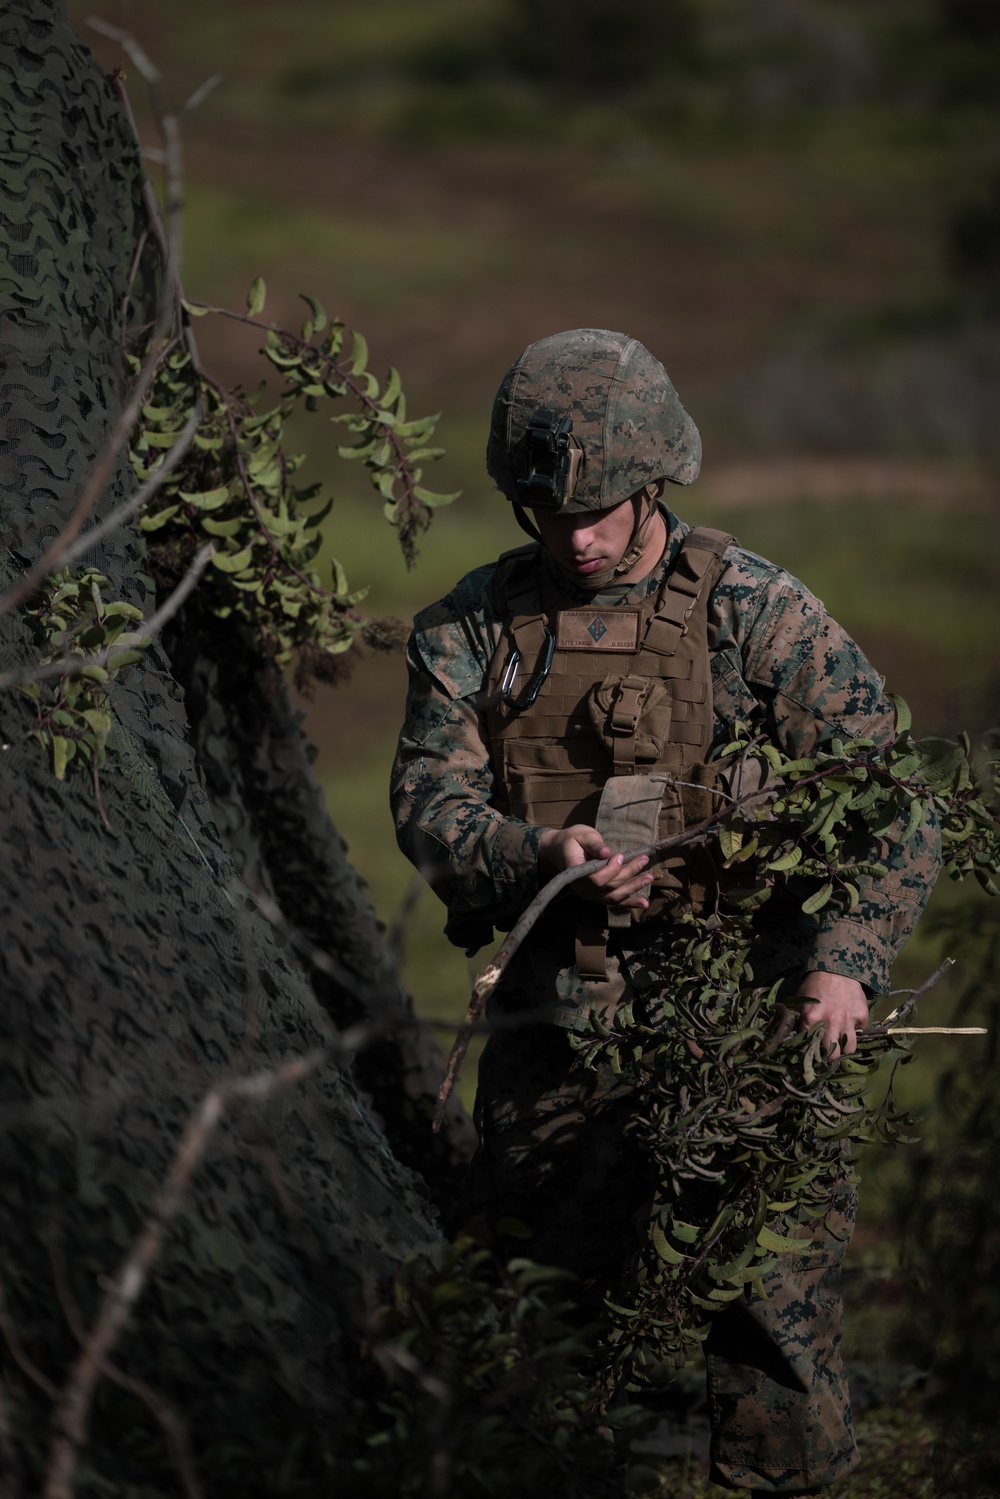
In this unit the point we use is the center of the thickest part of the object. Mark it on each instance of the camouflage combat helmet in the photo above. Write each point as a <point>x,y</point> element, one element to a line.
<point>583,420</point>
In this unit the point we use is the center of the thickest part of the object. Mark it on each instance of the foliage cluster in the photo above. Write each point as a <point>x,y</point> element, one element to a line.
<point>79,629</point>
<point>235,487</point>
<point>747,1123</point>
<point>488,1390</point>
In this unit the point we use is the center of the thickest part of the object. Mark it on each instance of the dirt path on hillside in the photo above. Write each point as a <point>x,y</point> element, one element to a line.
<point>777,480</point>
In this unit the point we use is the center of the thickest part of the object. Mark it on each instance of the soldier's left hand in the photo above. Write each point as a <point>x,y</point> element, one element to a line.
<point>840,1004</point>
<point>618,884</point>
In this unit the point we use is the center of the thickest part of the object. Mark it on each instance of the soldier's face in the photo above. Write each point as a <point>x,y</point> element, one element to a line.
<point>587,543</point>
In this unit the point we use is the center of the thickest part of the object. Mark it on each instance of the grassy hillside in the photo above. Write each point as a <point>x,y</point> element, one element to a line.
<point>784,248</point>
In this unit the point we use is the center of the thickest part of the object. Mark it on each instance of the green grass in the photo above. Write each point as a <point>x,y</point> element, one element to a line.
<point>310,248</point>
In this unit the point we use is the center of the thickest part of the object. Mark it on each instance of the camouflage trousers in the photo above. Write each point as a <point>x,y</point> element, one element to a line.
<point>556,1154</point>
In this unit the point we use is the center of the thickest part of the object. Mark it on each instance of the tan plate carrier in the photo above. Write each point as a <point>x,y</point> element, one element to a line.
<point>621,728</point>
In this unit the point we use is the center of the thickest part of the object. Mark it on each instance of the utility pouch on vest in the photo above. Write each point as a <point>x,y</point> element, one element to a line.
<point>628,817</point>
<point>638,810</point>
<point>631,717</point>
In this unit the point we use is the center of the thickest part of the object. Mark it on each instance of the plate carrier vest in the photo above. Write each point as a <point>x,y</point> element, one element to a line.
<point>618,731</point>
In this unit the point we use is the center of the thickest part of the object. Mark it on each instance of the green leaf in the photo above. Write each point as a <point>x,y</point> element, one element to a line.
<point>775,1243</point>
<point>232,562</point>
<point>688,1233</point>
<point>256,296</point>
<point>426,497</point>
<point>664,1249</point>
<point>787,861</point>
<point>193,309</point>
<point>359,353</point>
<point>360,450</point>
<point>904,718</point>
<point>223,527</point>
<point>318,312</point>
<point>62,753</point>
<point>159,519</point>
<point>818,899</point>
<point>917,812</point>
<point>392,388</point>
<point>205,499</point>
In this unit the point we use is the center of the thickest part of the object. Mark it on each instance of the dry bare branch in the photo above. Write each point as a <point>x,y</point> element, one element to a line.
<point>28,1368</point>
<point>10,1487</point>
<point>142,495</point>
<point>72,1416</point>
<point>71,665</point>
<point>937,1030</point>
<point>160,1408</point>
<point>396,933</point>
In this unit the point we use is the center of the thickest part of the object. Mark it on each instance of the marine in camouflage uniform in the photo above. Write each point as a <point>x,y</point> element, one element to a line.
<point>585,428</point>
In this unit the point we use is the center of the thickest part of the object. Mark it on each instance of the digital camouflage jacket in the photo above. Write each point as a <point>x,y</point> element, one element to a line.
<point>774,651</point>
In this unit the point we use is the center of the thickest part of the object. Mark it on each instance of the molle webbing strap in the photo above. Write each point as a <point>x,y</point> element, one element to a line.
<point>700,557</point>
<point>591,949</point>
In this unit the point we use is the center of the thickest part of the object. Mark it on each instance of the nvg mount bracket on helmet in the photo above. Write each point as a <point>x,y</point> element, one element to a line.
<point>548,460</point>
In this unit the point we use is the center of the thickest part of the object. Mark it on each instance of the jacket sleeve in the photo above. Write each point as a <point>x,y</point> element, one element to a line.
<point>482,864</point>
<point>815,684</point>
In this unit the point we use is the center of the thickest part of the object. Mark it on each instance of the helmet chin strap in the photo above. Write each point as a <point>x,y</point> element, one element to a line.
<point>594,582</point>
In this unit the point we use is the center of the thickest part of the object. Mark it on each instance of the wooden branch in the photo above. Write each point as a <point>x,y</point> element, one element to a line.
<point>10,1487</point>
<point>71,665</point>
<point>28,1368</point>
<point>159,1407</point>
<point>144,493</point>
<point>491,975</point>
<point>937,1030</point>
<point>901,1012</point>
<point>72,1416</point>
<point>102,468</point>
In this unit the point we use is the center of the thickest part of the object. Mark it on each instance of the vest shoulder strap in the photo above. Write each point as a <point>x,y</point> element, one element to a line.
<point>688,584</point>
<point>708,539</point>
<point>515,582</point>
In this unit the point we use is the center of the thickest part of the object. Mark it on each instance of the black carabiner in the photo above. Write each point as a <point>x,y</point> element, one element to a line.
<point>535,685</point>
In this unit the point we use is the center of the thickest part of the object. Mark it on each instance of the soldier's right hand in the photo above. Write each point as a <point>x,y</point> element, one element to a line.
<point>617,884</point>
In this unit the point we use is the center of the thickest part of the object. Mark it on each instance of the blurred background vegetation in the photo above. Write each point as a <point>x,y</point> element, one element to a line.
<point>794,203</point>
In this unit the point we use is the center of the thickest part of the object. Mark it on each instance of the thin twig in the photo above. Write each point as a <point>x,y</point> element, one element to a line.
<point>158,1406</point>
<point>145,492</point>
<point>404,914</point>
<point>934,1030</point>
<point>199,96</point>
<point>99,475</point>
<point>102,468</point>
<point>12,1338</point>
<point>72,1415</point>
<point>10,1487</point>
<point>903,1011</point>
<point>72,665</point>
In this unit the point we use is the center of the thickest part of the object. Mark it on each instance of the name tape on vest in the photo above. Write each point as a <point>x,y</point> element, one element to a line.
<point>597,629</point>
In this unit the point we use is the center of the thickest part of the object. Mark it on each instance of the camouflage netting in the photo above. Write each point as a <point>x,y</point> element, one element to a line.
<point>135,968</point>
